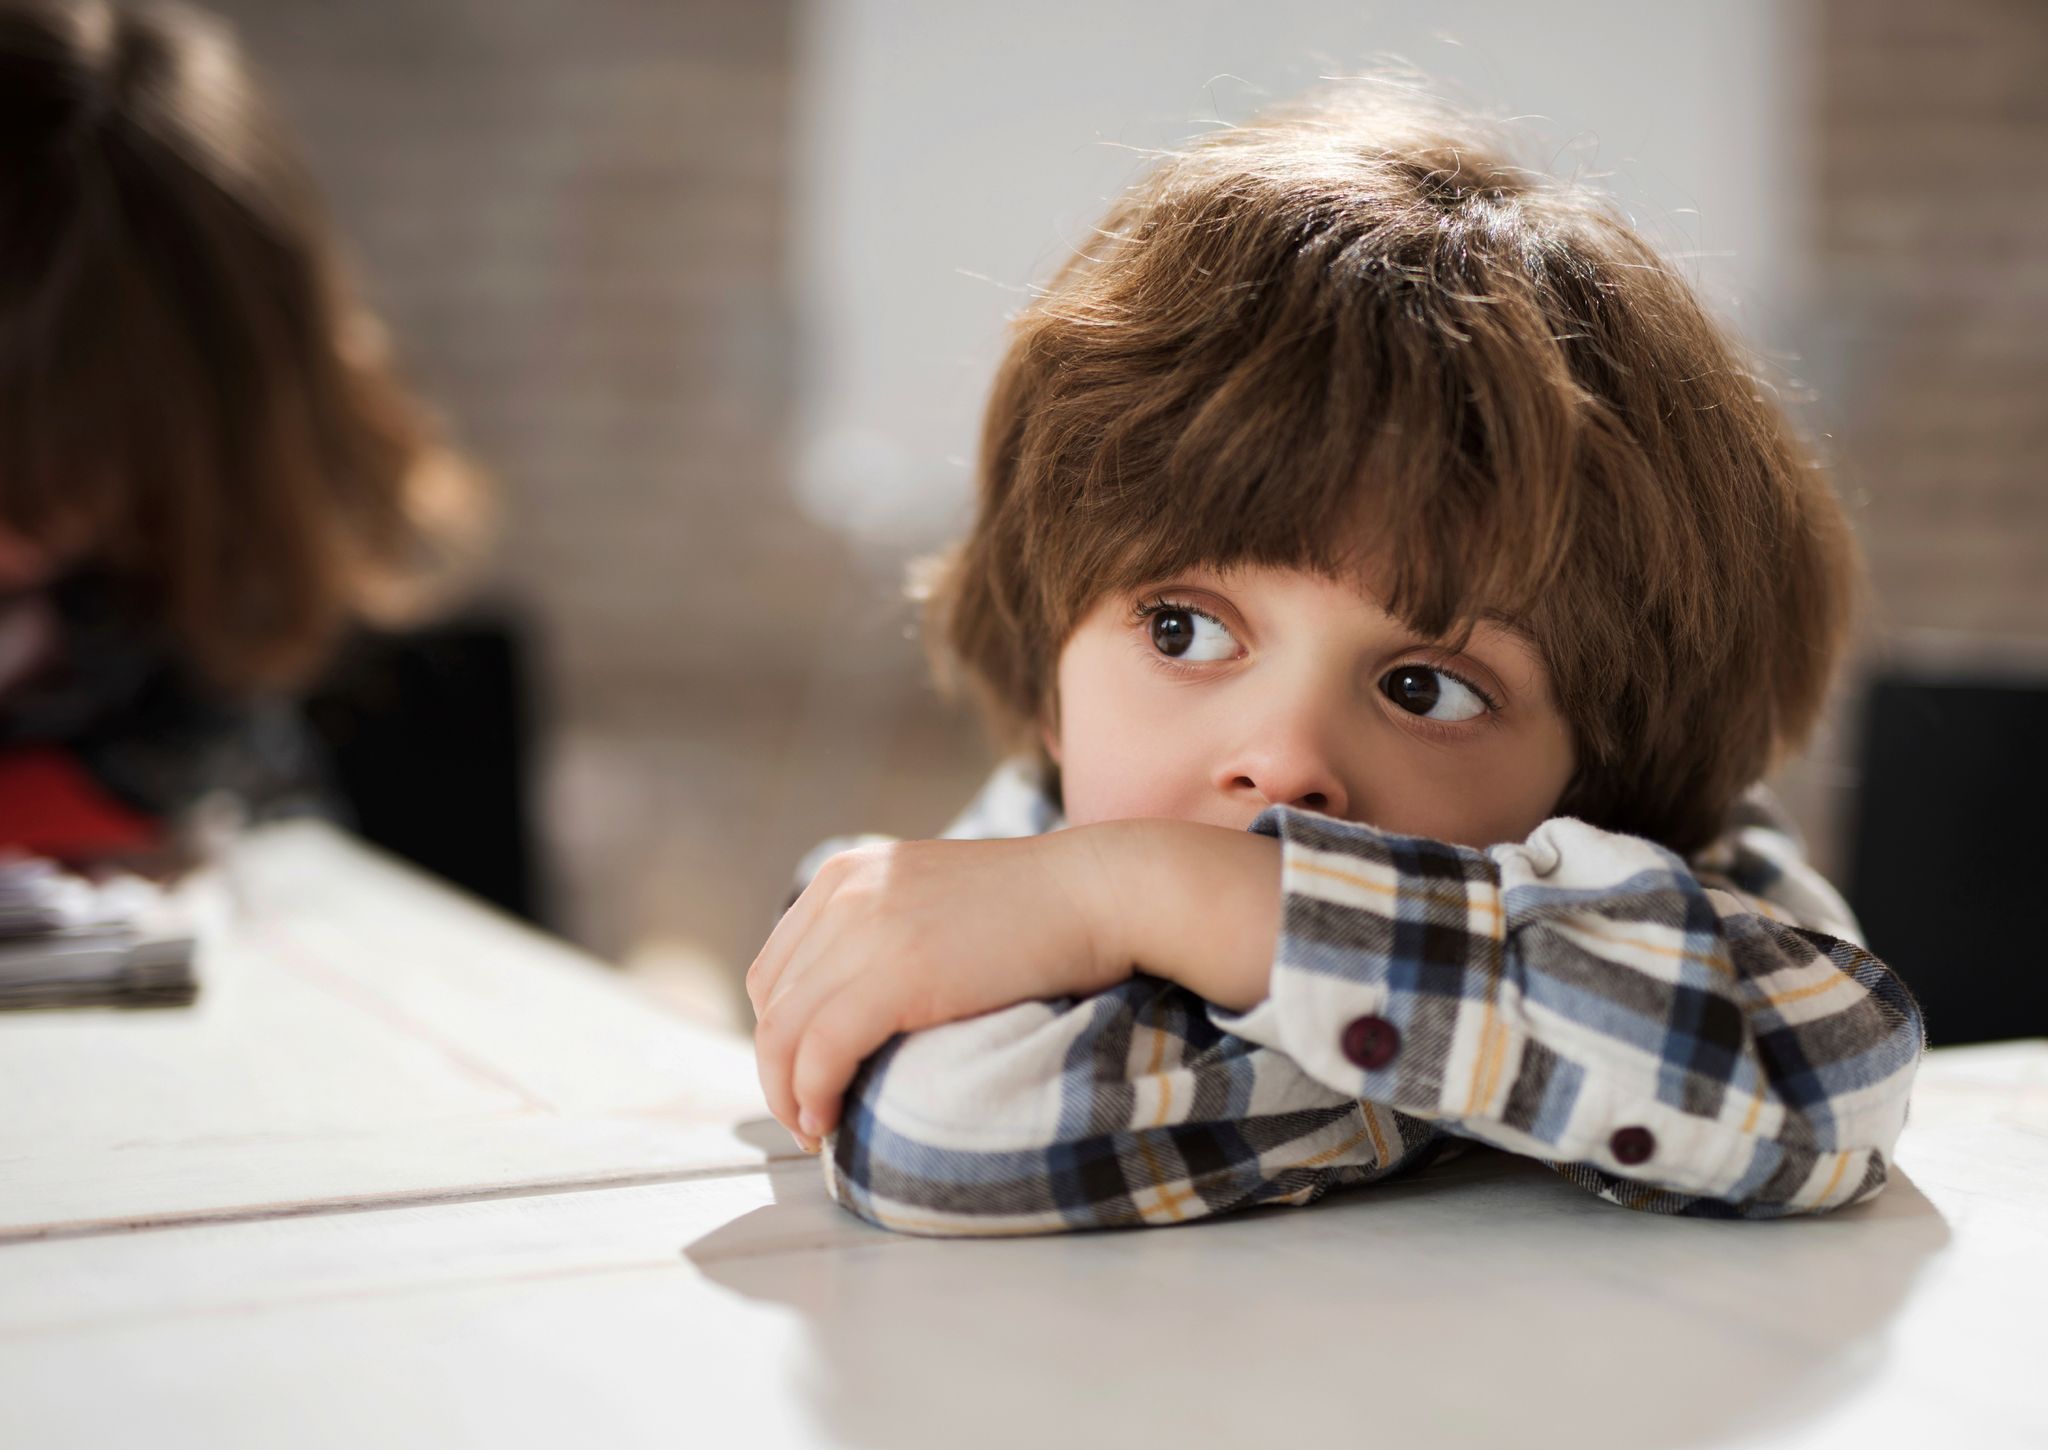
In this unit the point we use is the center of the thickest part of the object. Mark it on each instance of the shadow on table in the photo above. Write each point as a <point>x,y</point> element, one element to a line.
<point>1486,1301</point>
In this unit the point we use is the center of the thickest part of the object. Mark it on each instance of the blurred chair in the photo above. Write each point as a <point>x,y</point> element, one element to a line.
<point>429,735</point>
<point>1948,869</point>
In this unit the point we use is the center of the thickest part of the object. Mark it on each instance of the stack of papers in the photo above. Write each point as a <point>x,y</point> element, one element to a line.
<point>68,940</point>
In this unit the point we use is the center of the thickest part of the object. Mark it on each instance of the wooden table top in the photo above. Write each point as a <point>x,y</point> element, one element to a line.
<point>411,1174</point>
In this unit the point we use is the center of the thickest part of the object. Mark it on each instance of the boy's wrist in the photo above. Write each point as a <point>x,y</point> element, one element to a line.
<point>1097,865</point>
<point>1198,905</point>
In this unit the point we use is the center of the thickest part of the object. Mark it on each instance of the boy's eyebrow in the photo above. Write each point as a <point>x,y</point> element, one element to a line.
<point>1530,671</point>
<point>1507,631</point>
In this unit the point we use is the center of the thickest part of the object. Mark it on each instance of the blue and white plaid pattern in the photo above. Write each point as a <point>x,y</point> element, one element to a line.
<point>1706,1038</point>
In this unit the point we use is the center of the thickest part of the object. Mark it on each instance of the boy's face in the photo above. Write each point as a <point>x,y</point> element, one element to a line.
<point>1212,695</point>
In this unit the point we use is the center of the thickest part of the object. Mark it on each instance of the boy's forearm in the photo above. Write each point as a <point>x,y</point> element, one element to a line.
<point>1197,905</point>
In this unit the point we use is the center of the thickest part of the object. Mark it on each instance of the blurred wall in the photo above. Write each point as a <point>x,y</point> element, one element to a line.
<point>572,212</point>
<point>1933,192</point>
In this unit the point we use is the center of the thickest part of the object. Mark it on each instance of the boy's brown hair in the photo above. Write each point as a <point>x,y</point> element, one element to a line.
<point>189,398</point>
<point>1351,333</point>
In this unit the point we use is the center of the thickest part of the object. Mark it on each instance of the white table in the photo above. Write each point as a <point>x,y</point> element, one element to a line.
<point>411,1175</point>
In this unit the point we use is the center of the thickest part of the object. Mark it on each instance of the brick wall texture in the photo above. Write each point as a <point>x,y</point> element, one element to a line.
<point>572,211</point>
<point>1933,132</point>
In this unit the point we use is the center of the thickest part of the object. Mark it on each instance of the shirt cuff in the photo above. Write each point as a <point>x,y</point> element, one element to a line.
<point>1382,939</point>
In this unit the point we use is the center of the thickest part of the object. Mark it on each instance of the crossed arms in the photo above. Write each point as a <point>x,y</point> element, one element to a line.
<point>1704,1037</point>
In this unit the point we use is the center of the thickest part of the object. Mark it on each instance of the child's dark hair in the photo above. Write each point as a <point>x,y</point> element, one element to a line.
<point>1351,333</point>
<point>188,396</point>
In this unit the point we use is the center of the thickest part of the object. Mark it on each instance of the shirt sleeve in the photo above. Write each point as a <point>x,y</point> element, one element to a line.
<point>1127,1108</point>
<point>1665,1037</point>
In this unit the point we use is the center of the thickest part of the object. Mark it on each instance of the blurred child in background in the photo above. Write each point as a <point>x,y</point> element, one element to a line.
<point>207,467</point>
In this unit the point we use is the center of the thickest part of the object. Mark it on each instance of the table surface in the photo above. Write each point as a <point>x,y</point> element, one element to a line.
<point>409,1173</point>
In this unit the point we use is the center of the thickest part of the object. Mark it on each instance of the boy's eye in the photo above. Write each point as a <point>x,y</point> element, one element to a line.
<point>1421,690</point>
<point>1189,634</point>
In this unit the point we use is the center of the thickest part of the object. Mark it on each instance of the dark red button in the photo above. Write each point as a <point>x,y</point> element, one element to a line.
<point>1371,1042</point>
<point>1632,1145</point>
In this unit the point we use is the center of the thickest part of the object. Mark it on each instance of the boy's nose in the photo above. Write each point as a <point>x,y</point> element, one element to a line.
<point>1295,775</point>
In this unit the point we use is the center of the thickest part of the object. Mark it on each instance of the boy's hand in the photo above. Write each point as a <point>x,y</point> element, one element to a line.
<point>894,937</point>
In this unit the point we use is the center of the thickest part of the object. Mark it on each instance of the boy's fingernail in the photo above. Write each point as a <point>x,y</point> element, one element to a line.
<point>807,1123</point>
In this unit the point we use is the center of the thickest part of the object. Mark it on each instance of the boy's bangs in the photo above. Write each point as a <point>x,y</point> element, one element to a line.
<point>1370,481</point>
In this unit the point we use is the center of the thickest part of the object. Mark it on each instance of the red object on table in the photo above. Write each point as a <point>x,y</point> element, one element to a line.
<point>50,805</point>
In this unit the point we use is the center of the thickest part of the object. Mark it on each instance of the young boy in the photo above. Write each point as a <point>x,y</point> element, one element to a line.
<point>1396,578</point>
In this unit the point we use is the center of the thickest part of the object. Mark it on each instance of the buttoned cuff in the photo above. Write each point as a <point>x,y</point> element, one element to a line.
<point>1382,938</point>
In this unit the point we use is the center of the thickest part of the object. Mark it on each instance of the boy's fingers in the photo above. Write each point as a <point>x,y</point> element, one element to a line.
<point>766,963</point>
<point>807,981</point>
<point>841,1033</point>
<point>774,1046</point>
<point>819,954</point>
<point>773,958</point>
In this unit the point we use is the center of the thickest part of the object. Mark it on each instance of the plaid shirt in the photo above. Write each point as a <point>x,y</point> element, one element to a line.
<point>1706,1038</point>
